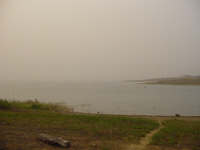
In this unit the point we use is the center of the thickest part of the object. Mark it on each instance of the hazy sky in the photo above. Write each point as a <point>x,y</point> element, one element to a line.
<point>98,39</point>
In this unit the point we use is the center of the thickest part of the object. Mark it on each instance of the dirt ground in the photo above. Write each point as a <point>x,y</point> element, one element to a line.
<point>25,138</point>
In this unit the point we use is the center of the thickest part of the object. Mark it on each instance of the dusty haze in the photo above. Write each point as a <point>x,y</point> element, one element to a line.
<point>98,39</point>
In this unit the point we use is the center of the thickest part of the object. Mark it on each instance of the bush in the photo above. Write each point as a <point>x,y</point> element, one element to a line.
<point>30,104</point>
<point>4,104</point>
<point>37,106</point>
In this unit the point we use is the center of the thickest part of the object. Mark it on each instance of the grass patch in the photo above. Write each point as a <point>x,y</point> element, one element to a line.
<point>83,130</point>
<point>102,127</point>
<point>178,134</point>
<point>30,104</point>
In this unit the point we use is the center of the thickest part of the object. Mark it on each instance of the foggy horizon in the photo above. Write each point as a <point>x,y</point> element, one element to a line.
<point>98,40</point>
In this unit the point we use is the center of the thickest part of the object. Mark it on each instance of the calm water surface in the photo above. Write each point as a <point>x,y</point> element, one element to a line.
<point>125,98</point>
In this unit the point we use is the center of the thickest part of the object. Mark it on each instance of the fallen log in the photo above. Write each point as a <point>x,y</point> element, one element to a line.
<point>55,141</point>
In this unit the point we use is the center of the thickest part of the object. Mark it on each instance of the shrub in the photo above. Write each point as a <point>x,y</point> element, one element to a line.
<point>4,104</point>
<point>37,106</point>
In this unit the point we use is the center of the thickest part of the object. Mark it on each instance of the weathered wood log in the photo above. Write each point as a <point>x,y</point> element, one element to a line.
<point>55,141</point>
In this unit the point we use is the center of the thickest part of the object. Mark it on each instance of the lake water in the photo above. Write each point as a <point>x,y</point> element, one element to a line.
<point>124,98</point>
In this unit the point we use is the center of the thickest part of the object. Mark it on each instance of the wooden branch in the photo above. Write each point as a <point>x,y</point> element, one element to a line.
<point>55,141</point>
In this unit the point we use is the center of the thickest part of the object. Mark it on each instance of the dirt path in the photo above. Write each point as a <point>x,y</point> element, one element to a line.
<point>144,141</point>
<point>143,144</point>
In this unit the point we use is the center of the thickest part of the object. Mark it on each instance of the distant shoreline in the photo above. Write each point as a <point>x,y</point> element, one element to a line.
<point>190,80</point>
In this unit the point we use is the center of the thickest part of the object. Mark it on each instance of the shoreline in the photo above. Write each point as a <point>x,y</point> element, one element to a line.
<point>142,116</point>
<point>191,81</point>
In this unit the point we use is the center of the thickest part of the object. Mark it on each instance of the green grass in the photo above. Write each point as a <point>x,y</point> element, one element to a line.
<point>178,134</point>
<point>31,117</point>
<point>30,104</point>
<point>102,127</point>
